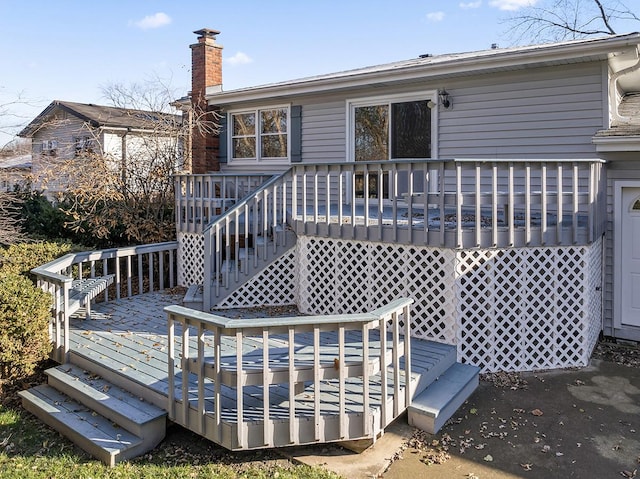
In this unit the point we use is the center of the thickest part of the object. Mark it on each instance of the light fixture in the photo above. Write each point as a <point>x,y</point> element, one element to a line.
<point>445,101</point>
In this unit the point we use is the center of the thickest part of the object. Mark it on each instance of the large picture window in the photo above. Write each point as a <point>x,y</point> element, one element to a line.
<point>260,134</point>
<point>389,129</point>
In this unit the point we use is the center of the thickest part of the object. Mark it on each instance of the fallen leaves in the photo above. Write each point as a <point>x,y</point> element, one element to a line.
<point>505,380</point>
<point>537,412</point>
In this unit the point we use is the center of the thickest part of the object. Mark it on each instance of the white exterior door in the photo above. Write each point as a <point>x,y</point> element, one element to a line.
<point>630,257</point>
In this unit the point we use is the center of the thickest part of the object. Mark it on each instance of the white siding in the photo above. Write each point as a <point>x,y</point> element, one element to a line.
<point>623,170</point>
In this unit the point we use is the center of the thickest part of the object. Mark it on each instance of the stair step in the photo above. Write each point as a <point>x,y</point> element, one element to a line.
<point>194,297</point>
<point>94,433</point>
<point>435,405</point>
<point>136,416</point>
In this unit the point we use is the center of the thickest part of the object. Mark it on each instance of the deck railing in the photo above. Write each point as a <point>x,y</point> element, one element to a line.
<point>246,234</point>
<point>458,203</point>
<point>135,270</point>
<point>202,197</point>
<point>453,203</point>
<point>443,203</point>
<point>224,363</point>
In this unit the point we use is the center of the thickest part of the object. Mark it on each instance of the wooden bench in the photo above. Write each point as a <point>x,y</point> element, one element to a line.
<point>84,290</point>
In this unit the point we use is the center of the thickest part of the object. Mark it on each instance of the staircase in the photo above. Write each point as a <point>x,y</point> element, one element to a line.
<point>107,422</point>
<point>240,265</point>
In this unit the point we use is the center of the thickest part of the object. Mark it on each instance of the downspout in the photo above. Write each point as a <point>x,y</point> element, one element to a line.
<point>613,82</point>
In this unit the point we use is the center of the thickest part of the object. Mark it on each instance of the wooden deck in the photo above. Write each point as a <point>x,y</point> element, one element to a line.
<point>126,342</point>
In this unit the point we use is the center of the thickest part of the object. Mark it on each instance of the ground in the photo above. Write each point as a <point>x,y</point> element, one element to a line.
<point>565,423</point>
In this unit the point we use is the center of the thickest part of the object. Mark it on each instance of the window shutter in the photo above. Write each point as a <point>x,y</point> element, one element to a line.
<point>222,140</point>
<point>296,134</point>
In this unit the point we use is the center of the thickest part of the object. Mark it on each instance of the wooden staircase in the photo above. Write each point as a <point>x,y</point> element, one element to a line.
<point>107,422</point>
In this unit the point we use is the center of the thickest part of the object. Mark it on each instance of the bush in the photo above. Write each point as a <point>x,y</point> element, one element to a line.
<point>24,308</point>
<point>22,258</point>
<point>24,326</point>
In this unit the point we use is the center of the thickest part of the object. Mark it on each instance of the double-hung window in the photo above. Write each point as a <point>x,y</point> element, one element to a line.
<point>389,128</point>
<point>260,135</point>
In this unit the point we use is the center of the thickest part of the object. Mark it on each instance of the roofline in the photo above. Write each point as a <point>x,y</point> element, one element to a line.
<point>486,61</point>
<point>34,125</point>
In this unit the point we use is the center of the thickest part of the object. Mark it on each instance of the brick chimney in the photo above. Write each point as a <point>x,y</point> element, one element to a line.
<point>206,76</point>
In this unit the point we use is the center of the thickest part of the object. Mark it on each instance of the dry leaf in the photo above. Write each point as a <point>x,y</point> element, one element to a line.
<point>537,412</point>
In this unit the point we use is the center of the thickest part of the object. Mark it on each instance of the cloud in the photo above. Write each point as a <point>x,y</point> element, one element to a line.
<point>156,20</point>
<point>512,5</point>
<point>239,59</point>
<point>469,5</point>
<point>435,16</point>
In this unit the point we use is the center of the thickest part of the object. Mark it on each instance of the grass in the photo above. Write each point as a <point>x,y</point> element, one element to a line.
<point>31,450</point>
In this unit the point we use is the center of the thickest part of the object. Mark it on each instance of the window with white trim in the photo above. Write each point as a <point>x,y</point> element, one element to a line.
<point>390,128</point>
<point>260,135</point>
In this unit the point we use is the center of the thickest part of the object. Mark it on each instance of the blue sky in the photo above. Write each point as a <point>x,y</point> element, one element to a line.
<point>70,49</point>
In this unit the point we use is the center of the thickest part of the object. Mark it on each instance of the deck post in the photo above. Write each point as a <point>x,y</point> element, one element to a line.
<point>171,358</point>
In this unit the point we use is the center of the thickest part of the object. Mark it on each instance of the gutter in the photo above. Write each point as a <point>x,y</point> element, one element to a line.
<point>613,83</point>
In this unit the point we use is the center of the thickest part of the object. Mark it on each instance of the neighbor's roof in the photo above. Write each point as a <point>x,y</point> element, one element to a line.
<point>20,162</point>
<point>102,116</point>
<point>440,66</point>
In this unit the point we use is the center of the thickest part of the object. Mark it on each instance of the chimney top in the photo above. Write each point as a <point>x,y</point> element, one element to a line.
<point>205,33</point>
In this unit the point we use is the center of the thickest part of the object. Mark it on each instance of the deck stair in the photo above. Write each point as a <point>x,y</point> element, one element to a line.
<point>242,266</point>
<point>108,422</point>
<point>431,409</point>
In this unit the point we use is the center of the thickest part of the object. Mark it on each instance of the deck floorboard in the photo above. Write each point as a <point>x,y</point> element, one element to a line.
<point>129,337</point>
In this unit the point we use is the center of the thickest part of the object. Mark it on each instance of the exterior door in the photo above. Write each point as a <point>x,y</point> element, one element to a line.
<point>630,257</point>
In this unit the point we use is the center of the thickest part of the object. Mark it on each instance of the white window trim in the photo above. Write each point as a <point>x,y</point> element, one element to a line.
<point>351,104</point>
<point>258,160</point>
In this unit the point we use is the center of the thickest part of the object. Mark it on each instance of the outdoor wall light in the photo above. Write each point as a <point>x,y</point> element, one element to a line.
<point>445,101</point>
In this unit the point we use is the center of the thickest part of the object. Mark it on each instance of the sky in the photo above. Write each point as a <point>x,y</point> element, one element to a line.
<point>72,49</point>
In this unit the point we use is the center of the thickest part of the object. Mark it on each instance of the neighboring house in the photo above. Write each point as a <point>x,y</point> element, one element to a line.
<point>534,119</point>
<point>131,140</point>
<point>14,172</point>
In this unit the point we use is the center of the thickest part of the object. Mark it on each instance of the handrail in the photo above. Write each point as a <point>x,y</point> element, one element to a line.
<point>136,269</point>
<point>211,350</point>
<point>199,198</point>
<point>243,234</point>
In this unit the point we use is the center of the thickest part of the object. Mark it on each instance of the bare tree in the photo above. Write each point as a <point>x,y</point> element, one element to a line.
<point>10,219</point>
<point>128,196</point>
<point>558,20</point>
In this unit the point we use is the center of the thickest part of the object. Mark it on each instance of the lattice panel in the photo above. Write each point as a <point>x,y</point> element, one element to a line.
<point>339,276</point>
<point>594,296</point>
<point>273,286</point>
<point>528,308</point>
<point>190,259</point>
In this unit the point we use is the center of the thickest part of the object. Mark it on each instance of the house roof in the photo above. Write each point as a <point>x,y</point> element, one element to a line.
<point>441,67</point>
<point>103,116</point>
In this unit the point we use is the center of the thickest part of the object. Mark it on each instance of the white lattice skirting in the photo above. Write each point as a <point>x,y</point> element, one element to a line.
<point>512,309</point>
<point>190,258</point>
<point>517,309</point>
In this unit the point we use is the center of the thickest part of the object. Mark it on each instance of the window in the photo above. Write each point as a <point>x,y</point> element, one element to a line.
<point>260,135</point>
<point>82,145</point>
<point>49,147</point>
<point>388,129</point>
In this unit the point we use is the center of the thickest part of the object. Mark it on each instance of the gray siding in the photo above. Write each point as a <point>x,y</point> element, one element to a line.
<point>324,132</point>
<point>542,113</point>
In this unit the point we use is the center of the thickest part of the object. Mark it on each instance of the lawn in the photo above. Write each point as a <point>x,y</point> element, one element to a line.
<point>29,449</point>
